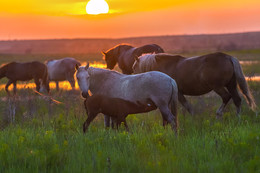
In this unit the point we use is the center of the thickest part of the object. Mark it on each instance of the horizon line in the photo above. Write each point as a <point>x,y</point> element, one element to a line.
<point>133,37</point>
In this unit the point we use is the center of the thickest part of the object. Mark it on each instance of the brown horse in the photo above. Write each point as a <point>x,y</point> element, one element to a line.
<point>199,75</point>
<point>116,108</point>
<point>15,71</point>
<point>124,55</point>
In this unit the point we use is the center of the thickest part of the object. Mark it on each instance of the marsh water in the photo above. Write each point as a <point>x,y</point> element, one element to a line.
<point>66,86</point>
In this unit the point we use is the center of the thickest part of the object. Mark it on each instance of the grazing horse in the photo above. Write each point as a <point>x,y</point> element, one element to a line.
<point>199,75</point>
<point>116,108</point>
<point>125,55</point>
<point>15,71</point>
<point>155,87</point>
<point>62,69</point>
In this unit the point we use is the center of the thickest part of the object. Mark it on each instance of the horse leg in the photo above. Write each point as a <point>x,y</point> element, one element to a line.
<point>107,120</point>
<point>71,80</point>
<point>164,122</point>
<point>225,95</point>
<point>14,89</point>
<point>38,84</point>
<point>126,126</point>
<point>90,118</point>
<point>57,86</point>
<point>185,103</point>
<point>117,121</point>
<point>168,116</point>
<point>235,97</point>
<point>113,123</point>
<point>122,119</point>
<point>7,86</point>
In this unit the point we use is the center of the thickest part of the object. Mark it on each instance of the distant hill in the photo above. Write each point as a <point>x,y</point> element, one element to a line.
<point>181,43</point>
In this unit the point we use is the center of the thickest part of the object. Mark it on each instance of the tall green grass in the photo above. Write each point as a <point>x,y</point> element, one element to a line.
<point>38,135</point>
<point>46,137</point>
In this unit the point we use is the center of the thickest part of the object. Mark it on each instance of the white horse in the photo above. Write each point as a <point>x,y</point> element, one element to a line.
<point>153,86</point>
<point>62,69</point>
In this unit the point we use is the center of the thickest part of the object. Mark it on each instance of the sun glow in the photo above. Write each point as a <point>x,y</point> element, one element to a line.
<point>97,7</point>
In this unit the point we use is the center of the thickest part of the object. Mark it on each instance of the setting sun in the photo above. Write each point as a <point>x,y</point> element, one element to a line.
<point>97,7</point>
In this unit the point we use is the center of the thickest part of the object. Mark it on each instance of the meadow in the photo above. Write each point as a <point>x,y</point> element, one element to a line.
<point>39,135</point>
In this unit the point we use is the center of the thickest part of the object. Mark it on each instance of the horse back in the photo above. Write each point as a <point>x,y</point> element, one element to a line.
<point>25,71</point>
<point>167,63</point>
<point>58,69</point>
<point>149,48</point>
<point>199,75</point>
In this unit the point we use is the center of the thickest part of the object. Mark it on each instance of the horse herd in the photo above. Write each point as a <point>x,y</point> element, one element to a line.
<point>160,80</point>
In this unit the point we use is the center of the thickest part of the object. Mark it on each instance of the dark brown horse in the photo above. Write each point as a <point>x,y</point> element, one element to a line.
<point>15,71</point>
<point>125,55</point>
<point>116,108</point>
<point>199,75</point>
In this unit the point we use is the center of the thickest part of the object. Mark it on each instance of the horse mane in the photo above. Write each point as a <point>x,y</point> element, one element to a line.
<point>93,70</point>
<point>119,45</point>
<point>47,61</point>
<point>147,62</point>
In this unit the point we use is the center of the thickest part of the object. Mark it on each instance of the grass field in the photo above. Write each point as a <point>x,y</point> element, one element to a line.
<point>38,135</point>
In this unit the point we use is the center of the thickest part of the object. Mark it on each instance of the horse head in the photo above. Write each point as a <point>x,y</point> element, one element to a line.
<point>83,76</point>
<point>110,57</point>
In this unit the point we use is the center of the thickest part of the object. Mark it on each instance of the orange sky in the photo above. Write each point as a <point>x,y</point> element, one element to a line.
<point>42,19</point>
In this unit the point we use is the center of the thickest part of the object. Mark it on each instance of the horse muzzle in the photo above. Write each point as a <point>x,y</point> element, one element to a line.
<point>85,94</point>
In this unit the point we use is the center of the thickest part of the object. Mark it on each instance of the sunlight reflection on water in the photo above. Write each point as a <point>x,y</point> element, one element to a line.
<point>248,62</point>
<point>66,86</point>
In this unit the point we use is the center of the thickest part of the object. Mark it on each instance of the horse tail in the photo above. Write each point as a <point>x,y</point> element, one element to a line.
<point>174,102</point>
<point>242,83</point>
<point>3,70</point>
<point>78,63</point>
<point>74,64</point>
<point>45,78</point>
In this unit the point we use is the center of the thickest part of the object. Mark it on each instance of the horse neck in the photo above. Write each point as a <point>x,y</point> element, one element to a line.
<point>136,108</point>
<point>126,58</point>
<point>98,77</point>
<point>148,63</point>
<point>173,61</point>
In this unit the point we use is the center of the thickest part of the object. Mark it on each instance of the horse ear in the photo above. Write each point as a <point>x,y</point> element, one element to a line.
<point>103,53</point>
<point>76,66</point>
<point>87,66</point>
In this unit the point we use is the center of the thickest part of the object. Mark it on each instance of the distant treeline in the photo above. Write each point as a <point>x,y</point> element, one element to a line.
<point>178,44</point>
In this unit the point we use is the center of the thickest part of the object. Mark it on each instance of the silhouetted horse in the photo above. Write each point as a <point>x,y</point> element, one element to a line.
<point>199,75</point>
<point>15,71</point>
<point>125,55</point>
<point>116,108</point>
<point>62,69</point>
<point>155,87</point>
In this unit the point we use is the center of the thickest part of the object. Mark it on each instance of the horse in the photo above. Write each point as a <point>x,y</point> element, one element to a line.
<point>62,69</point>
<point>16,71</point>
<point>124,55</point>
<point>155,87</point>
<point>199,75</point>
<point>116,108</point>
